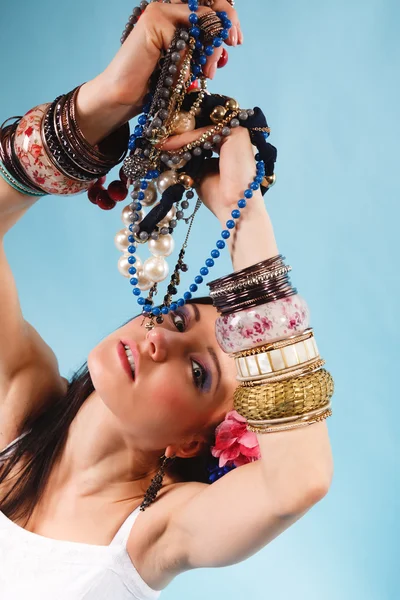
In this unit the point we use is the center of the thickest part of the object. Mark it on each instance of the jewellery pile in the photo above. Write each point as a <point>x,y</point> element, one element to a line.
<point>264,326</point>
<point>178,102</point>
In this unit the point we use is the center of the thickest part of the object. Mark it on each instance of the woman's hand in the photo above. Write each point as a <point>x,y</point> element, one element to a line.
<point>116,95</point>
<point>225,179</point>
<point>223,184</point>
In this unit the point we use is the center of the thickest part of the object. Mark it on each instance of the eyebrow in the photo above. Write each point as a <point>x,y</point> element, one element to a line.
<point>211,351</point>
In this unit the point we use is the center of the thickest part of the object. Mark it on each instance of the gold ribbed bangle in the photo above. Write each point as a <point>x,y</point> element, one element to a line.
<point>294,339</point>
<point>294,396</point>
<point>298,425</point>
<point>288,420</point>
<point>284,374</point>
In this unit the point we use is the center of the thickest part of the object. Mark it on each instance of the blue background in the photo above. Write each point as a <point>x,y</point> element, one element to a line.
<point>327,77</point>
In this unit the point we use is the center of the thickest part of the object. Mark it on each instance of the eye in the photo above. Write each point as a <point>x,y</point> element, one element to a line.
<point>179,320</point>
<point>199,374</point>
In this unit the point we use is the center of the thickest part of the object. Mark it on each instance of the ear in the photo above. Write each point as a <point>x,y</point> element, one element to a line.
<point>186,450</point>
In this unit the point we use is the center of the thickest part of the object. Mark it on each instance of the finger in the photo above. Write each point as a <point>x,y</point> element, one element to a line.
<point>235,34</point>
<point>212,63</point>
<point>176,142</point>
<point>240,34</point>
<point>224,5</point>
<point>160,21</point>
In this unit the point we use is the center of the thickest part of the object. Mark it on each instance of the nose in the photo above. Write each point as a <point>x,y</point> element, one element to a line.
<point>158,344</point>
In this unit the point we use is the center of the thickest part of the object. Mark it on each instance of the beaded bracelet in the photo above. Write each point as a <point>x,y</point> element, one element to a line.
<point>269,322</point>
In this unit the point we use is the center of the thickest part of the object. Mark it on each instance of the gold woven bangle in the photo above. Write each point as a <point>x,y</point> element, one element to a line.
<point>299,425</point>
<point>288,373</point>
<point>294,339</point>
<point>294,396</point>
<point>287,420</point>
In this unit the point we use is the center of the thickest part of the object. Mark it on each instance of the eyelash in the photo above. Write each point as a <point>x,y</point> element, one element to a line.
<point>198,383</point>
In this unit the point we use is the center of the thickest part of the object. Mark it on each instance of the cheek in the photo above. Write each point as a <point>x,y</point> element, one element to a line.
<point>167,395</point>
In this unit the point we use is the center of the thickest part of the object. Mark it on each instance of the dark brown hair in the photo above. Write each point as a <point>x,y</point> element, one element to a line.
<point>45,441</point>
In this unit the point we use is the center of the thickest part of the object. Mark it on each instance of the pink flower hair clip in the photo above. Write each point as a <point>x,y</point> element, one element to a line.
<point>234,446</point>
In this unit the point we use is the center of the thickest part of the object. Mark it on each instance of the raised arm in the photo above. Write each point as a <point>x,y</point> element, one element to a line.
<point>246,509</point>
<point>28,366</point>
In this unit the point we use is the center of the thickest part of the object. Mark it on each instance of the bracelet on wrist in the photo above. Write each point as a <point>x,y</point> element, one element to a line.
<point>45,152</point>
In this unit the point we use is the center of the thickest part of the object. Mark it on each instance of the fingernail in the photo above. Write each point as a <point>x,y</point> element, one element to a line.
<point>213,70</point>
<point>234,35</point>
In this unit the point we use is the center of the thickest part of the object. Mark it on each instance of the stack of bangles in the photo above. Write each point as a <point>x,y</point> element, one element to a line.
<point>264,325</point>
<point>45,152</point>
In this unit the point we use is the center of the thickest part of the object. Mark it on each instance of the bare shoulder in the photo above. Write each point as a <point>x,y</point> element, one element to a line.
<point>152,546</point>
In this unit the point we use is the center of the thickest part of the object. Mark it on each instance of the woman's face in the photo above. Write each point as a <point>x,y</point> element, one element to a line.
<point>183,381</point>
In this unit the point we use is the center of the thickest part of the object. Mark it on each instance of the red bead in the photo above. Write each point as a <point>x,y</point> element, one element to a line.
<point>102,180</point>
<point>194,86</point>
<point>117,190</point>
<point>223,61</point>
<point>104,201</point>
<point>93,192</point>
<point>122,175</point>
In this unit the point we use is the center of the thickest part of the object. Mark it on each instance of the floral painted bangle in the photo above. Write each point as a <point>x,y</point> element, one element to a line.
<point>297,353</point>
<point>266,323</point>
<point>8,178</point>
<point>10,161</point>
<point>35,162</point>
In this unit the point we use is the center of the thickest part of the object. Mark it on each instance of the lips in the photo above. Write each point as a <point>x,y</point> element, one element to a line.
<point>135,353</point>
<point>124,361</point>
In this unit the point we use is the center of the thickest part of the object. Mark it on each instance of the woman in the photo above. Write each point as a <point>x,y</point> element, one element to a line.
<point>94,445</point>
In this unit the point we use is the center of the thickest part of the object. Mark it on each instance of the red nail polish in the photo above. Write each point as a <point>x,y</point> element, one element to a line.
<point>223,61</point>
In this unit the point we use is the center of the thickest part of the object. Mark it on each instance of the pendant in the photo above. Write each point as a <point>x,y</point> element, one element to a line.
<point>136,166</point>
<point>150,325</point>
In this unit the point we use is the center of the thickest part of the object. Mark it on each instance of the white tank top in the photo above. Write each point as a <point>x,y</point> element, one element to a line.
<point>38,568</point>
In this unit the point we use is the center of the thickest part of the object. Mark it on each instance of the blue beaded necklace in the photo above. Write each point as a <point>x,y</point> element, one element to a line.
<point>199,59</point>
